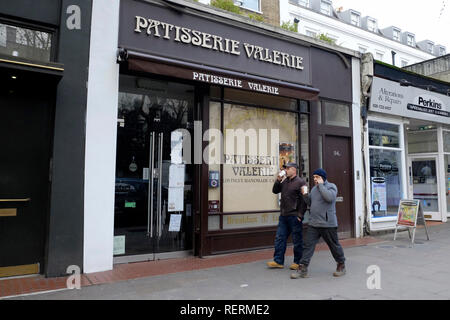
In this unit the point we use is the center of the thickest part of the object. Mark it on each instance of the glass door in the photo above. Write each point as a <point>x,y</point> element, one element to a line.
<point>154,186</point>
<point>424,185</point>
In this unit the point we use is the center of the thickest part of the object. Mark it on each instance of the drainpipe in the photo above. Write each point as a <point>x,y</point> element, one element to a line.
<point>367,73</point>
<point>393,57</point>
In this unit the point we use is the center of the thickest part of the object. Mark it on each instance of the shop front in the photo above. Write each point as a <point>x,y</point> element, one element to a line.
<point>407,145</point>
<point>210,107</point>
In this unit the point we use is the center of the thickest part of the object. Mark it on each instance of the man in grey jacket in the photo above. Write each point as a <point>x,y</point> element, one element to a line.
<point>322,223</point>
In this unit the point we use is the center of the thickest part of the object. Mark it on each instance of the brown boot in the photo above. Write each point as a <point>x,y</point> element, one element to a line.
<point>302,272</point>
<point>340,270</point>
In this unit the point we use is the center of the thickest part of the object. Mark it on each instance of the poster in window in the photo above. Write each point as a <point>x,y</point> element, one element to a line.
<point>252,155</point>
<point>379,195</point>
<point>287,153</point>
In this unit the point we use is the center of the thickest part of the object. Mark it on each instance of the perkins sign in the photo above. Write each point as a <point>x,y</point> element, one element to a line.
<point>389,97</point>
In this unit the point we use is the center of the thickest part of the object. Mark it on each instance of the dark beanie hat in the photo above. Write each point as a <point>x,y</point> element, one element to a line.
<point>321,172</point>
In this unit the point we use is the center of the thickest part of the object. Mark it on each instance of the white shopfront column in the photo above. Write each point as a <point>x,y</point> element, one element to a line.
<point>442,176</point>
<point>101,131</point>
<point>357,146</point>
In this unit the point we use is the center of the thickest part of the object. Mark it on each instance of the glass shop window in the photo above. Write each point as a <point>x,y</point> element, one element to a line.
<point>386,169</point>
<point>25,43</point>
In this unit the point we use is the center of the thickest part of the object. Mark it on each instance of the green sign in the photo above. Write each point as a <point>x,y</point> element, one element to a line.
<point>130,204</point>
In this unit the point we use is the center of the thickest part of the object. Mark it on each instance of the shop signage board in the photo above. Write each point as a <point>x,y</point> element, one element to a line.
<point>159,30</point>
<point>410,214</point>
<point>390,98</point>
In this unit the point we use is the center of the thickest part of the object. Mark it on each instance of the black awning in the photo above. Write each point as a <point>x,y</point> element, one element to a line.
<point>143,62</point>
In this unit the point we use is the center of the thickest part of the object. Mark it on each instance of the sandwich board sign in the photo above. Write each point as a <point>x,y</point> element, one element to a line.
<point>410,213</point>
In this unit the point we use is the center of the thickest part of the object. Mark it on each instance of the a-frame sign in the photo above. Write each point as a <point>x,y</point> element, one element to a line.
<point>410,214</point>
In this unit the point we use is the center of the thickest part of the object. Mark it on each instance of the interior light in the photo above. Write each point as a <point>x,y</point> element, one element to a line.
<point>13,77</point>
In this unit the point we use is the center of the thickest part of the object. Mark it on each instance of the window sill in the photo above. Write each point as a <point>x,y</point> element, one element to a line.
<point>383,219</point>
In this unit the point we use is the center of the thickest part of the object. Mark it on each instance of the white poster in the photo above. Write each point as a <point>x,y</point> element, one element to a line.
<point>176,199</point>
<point>379,196</point>
<point>176,147</point>
<point>119,245</point>
<point>175,222</point>
<point>176,175</point>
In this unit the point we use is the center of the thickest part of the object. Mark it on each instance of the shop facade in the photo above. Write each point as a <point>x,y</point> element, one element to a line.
<point>209,107</point>
<point>406,145</point>
<point>165,124</point>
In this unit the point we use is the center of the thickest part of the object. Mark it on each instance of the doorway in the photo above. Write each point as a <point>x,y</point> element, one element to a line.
<point>424,185</point>
<point>154,187</point>
<point>337,163</point>
<point>26,107</point>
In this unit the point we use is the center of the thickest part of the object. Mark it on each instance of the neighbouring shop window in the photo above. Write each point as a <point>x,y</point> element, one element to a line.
<point>446,141</point>
<point>386,169</point>
<point>336,114</point>
<point>25,43</point>
<point>422,141</point>
<point>384,135</point>
<point>447,180</point>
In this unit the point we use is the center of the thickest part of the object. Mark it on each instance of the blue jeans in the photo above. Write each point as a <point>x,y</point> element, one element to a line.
<point>288,225</point>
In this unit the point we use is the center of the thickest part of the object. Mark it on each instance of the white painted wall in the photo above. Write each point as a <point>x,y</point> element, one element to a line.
<point>349,36</point>
<point>101,131</point>
<point>357,149</point>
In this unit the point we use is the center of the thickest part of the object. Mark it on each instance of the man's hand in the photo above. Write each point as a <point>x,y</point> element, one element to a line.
<point>320,180</point>
<point>299,220</point>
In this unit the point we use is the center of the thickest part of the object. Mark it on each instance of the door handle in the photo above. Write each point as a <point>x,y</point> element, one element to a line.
<point>159,193</point>
<point>150,185</point>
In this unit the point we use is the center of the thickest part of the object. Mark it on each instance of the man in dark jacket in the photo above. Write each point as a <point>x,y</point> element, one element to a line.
<point>322,223</point>
<point>292,207</point>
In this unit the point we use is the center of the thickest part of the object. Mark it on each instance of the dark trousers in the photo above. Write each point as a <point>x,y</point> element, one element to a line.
<point>330,236</point>
<point>288,225</point>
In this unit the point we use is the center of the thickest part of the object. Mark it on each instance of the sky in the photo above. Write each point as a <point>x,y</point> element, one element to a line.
<point>427,19</point>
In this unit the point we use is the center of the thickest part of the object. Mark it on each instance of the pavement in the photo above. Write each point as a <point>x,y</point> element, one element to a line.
<point>378,268</point>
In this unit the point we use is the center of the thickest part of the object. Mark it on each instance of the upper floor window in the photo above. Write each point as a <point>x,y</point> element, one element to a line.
<point>442,51</point>
<point>410,40</point>
<point>25,43</point>
<point>430,47</point>
<point>396,35</point>
<point>303,3</point>
<point>355,19</point>
<point>249,4</point>
<point>372,25</point>
<point>325,8</point>
<point>310,33</point>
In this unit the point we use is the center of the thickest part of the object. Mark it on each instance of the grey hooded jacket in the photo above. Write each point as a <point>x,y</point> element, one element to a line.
<point>322,204</point>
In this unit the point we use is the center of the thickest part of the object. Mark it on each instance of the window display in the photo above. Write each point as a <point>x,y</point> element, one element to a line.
<point>386,170</point>
<point>253,141</point>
